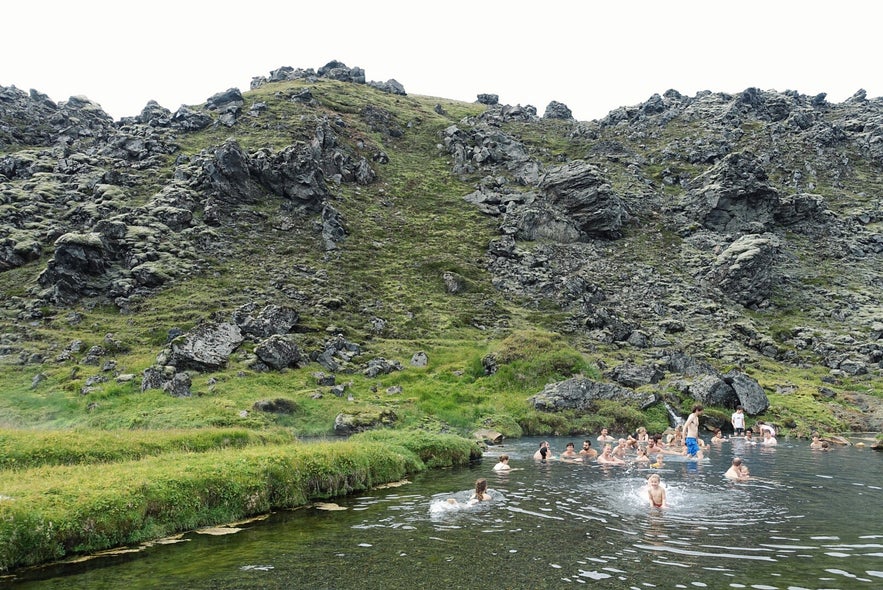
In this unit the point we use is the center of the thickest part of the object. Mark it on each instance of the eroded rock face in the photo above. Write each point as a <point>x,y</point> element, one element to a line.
<point>581,393</point>
<point>78,256</point>
<point>746,269</point>
<point>732,195</point>
<point>580,190</point>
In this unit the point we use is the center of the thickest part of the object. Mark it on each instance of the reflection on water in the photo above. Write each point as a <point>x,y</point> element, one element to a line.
<point>806,520</point>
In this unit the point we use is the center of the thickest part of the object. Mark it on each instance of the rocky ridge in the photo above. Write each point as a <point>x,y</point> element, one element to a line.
<point>682,224</point>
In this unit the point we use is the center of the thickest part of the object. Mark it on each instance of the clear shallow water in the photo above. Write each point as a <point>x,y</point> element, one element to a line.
<point>807,520</point>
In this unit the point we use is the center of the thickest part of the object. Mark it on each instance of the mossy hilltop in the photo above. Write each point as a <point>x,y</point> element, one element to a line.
<point>516,287</point>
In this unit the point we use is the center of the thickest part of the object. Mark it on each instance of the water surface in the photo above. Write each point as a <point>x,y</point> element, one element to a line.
<point>806,520</point>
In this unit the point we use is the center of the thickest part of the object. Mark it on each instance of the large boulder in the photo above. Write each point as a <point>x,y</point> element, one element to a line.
<point>751,396</point>
<point>346,424</point>
<point>278,352</point>
<point>635,375</point>
<point>207,347</point>
<point>710,390</point>
<point>266,321</point>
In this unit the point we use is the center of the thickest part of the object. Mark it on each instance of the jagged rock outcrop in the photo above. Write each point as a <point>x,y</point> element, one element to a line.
<point>649,231</point>
<point>733,196</point>
<point>581,191</point>
<point>267,321</point>
<point>557,110</point>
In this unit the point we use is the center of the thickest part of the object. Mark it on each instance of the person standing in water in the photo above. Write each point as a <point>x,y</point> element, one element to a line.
<point>738,421</point>
<point>691,432</point>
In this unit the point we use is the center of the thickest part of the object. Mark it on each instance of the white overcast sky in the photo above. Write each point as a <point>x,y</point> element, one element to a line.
<point>592,55</point>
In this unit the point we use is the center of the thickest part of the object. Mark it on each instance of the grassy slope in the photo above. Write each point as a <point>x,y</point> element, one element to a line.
<point>406,230</point>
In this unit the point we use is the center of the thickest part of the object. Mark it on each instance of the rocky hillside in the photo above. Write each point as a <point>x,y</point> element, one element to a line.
<point>722,248</point>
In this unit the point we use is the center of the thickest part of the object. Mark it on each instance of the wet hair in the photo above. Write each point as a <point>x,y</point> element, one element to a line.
<point>697,408</point>
<point>480,488</point>
<point>653,476</point>
<point>824,444</point>
<point>737,461</point>
<point>568,445</point>
<point>587,443</point>
<point>504,457</point>
<point>543,452</point>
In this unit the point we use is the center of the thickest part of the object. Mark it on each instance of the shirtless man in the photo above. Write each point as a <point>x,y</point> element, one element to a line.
<point>503,464</point>
<point>587,452</point>
<point>605,437</point>
<point>691,431</point>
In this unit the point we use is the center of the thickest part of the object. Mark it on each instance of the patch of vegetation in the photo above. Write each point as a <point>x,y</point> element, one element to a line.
<point>54,511</point>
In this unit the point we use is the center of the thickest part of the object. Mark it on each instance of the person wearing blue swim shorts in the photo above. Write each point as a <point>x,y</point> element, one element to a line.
<point>691,431</point>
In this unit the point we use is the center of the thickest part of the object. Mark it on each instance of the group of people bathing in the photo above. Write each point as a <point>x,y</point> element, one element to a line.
<point>683,441</point>
<point>639,447</point>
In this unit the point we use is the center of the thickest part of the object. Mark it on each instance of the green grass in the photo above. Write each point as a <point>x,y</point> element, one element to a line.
<point>55,511</point>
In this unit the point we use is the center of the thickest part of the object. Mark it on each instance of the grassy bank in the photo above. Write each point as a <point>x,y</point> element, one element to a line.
<point>51,511</point>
